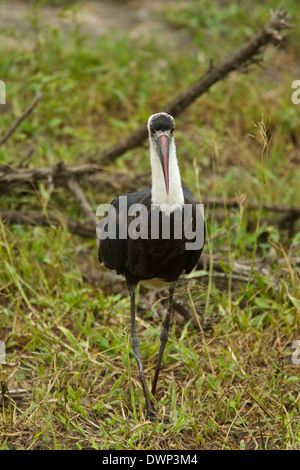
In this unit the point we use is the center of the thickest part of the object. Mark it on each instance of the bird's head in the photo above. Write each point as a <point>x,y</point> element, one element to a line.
<point>161,131</point>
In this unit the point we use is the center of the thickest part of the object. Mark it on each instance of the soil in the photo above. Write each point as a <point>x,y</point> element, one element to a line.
<point>140,19</point>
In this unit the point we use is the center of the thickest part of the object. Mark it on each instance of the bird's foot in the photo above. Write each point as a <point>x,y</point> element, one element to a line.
<point>151,415</point>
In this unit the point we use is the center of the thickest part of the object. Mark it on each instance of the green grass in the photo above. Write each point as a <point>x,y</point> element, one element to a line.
<point>69,364</point>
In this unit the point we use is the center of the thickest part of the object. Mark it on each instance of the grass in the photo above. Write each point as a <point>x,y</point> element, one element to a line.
<point>228,381</point>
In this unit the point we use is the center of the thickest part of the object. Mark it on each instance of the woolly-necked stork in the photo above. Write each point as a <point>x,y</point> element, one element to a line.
<point>156,259</point>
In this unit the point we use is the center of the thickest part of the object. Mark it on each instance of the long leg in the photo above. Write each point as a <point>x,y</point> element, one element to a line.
<point>135,342</point>
<point>163,340</point>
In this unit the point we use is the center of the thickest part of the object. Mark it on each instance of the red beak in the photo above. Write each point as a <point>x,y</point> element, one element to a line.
<point>163,145</point>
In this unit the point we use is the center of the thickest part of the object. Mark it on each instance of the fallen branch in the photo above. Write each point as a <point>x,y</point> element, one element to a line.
<point>25,113</point>
<point>61,174</point>
<point>36,219</point>
<point>252,205</point>
<point>57,175</point>
<point>240,60</point>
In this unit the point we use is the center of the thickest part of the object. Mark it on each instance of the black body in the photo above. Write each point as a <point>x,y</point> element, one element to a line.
<point>145,259</point>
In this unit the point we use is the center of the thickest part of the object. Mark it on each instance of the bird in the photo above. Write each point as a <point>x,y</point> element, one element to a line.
<point>157,259</point>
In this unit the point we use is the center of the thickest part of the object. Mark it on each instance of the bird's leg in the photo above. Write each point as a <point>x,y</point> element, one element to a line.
<point>163,340</point>
<point>135,342</point>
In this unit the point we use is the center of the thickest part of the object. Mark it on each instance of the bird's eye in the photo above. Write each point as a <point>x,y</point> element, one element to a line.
<point>152,130</point>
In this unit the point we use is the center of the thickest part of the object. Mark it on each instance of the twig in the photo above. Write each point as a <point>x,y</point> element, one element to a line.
<point>25,113</point>
<point>18,392</point>
<point>242,58</point>
<point>23,161</point>
<point>252,205</point>
<point>82,200</point>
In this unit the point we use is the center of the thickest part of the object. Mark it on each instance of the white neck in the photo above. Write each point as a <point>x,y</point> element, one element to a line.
<point>175,199</point>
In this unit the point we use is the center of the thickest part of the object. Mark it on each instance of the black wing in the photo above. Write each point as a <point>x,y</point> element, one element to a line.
<point>112,249</point>
<point>167,258</point>
<point>194,255</point>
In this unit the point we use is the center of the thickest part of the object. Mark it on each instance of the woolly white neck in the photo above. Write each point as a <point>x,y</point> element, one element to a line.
<point>175,199</point>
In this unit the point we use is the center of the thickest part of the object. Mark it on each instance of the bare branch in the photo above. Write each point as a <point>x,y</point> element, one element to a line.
<point>61,174</point>
<point>252,205</point>
<point>25,113</point>
<point>37,219</point>
<point>82,200</point>
<point>57,175</point>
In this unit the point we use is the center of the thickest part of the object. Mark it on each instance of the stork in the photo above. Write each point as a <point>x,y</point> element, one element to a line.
<point>155,260</point>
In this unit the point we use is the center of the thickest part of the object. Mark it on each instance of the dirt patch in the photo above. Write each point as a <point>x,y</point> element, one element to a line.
<point>140,19</point>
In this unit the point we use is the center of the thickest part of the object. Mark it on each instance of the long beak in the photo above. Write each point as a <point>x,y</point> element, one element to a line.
<point>163,146</point>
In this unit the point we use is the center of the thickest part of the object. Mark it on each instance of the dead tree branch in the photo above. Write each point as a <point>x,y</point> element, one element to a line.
<point>293,211</point>
<point>240,60</point>
<point>36,219</point>
<point>57,175</point>
<point>66,175</point>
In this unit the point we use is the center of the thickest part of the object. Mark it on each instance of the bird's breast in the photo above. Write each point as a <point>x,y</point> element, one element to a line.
<point>163,259</point>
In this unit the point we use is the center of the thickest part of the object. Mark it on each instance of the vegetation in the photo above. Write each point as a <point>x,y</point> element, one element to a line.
<point>228,379</point>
